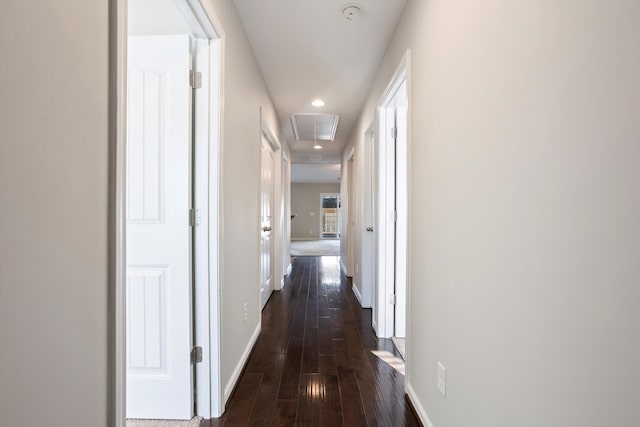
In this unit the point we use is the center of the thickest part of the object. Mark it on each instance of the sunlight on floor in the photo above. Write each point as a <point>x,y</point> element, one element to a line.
<point>390,359</point>
<point>330,270</point>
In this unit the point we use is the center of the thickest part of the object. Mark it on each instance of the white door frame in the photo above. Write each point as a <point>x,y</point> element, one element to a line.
<point>286,211</point>
<point>368,227</point>
<point>385,221</point>
<point>351,212</point>
<point>209,396</point>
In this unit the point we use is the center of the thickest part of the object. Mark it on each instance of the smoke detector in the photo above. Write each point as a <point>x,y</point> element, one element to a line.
<point>351,12</point>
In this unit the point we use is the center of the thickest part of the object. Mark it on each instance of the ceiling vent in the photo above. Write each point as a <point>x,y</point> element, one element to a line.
<point>325,126</point>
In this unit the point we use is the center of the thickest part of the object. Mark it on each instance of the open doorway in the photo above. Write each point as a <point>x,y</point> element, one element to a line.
<point>269,146</point>
<point>393,217</point>
<point>315,209</point>
<point>351,213</point>
<point>166,308</point>
<point>329,215</point>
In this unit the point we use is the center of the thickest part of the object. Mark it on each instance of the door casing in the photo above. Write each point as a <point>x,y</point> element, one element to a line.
<point>368,227</point>
<point>385,228</point>
<point>209,399</point>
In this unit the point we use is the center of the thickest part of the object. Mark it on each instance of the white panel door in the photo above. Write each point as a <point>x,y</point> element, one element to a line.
<point>368,221</point>
<point>159,336</point>
<point>266,240</point>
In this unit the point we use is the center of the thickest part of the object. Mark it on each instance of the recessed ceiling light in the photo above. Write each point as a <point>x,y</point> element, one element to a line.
<point>318,103</point>
<point>317,146</point>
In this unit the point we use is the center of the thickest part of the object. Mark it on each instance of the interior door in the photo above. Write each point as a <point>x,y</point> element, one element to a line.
<point>368,220</point>
<point>159,319</point>
<point>266,240</point>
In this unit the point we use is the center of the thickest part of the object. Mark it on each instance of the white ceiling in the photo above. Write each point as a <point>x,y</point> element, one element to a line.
<point>306,49</point>
<point>314,173</point>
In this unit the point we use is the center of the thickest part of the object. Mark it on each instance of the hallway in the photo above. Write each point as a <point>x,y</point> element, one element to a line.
<point>317,361</point>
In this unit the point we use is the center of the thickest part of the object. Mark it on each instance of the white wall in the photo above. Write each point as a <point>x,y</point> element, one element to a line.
<point>53,215</point>
<point>525,146</point>
<point>244,93</point>
<point>305,204</point>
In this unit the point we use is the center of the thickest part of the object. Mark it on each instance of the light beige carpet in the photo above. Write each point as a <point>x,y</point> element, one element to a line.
<point>194,422</point>
<point>325,247</point>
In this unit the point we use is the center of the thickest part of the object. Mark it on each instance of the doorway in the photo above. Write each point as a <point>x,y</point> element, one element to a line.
<point>393,211</point>
<point>351,213</point>
<point>166,337</point>
<point>329,215</point>
<point>286,201</point>
<point>266,219</point>
<point>368,235</point>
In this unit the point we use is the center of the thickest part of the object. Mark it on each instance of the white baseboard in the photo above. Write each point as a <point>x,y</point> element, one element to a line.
<point>288,272</point>
<point>417,405</point>
<point>357,293</point>
<point>238,369</point>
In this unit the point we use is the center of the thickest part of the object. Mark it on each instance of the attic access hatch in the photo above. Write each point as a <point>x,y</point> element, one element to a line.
<point>325,126</point>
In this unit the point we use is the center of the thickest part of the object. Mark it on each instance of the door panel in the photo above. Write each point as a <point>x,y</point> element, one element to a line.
<point>368,221</point>
<point>159,336</point>
<point>266,241</point>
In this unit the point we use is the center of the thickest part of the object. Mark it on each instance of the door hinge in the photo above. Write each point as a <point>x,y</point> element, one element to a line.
<point>394,132</point>
<point>192,217</point>
<point>394,216</point>
<point>196,355</point>
<point>195,79</point>
<point>392,299</point>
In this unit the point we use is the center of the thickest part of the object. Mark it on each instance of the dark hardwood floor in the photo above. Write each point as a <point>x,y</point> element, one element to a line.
<point>317,361</point>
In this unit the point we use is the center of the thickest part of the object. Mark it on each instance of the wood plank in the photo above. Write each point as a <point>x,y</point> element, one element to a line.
<point>243,399</point>
<point>331,405</point>
<point>285,413</point>
<point>268,392</point>
<point>291,373</point>
<point>328,365</point>
<point>310,352</point>
<point>325,336</point>
<point>309,396</point>
<point>350,400</point>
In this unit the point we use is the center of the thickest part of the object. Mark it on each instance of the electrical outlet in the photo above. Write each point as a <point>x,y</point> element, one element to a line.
<point>442,380</point>
<point>245,312</point>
